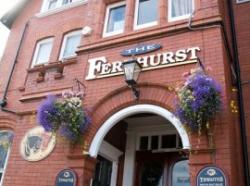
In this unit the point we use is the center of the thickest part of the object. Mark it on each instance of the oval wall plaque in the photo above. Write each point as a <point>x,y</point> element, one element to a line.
<point>211,176</point>
<point>37,144</point>
<point>66,177</point>
<point>140,49</point>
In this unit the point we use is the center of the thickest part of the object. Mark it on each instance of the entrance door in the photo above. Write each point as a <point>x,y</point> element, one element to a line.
<point>161,169</point>
<point>149,169</point>
<point>103,172</point>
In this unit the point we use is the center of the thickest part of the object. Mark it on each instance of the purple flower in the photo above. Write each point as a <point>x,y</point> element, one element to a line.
<point>45,112</point>
<point>85,123</point>
<point>199,100</point>
<point>65,116</point>
<point>66,132</point>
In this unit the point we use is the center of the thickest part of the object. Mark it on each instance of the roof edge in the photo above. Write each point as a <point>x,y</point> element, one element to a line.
<point>9,17</point>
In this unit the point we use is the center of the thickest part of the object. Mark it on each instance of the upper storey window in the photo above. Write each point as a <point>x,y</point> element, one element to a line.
<point>6,138</point>
<point>70,43</point>
<point>242,1</point>
<point>146,13</point>
<point>180,9</point>
<point>42,52</point>
<point>114,20</point>
<point>53,4</point>
<point>67,2</point>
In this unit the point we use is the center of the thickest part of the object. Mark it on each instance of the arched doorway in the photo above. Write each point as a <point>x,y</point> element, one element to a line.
<point>152,140</point>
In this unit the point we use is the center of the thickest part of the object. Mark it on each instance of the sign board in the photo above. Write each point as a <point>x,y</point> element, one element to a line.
<point>140,49</point>
<point>37,144</point>
<point>101,67</point>
<point>211,176</point>
<point>66,177</point>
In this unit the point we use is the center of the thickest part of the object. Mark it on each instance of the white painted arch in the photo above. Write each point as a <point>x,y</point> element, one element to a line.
<point>132,110</point>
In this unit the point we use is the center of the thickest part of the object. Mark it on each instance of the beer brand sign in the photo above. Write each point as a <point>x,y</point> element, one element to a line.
<point>66,177</point>
<point>211,176</point>
<point>100,67</point>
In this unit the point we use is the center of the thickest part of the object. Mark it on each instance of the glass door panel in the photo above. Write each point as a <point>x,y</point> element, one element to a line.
<point>151,174</point>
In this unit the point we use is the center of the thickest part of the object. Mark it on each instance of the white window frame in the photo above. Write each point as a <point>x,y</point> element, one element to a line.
<point>109,7</point>
<point>146,25</point>
<point>112,154</point>
<point>7,158</point>
<point>171,19</point>
<point>59,4</point>
<point>242,1</point>
<point>38,45</point>
<point>77,32</point>
<point>159,134</point>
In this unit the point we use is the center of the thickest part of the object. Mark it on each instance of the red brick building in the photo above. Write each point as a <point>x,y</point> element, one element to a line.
<point>127,137</point>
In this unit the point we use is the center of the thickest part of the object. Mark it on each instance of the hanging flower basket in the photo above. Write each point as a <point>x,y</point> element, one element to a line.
<point>64,116</point>
<point>199,99</point>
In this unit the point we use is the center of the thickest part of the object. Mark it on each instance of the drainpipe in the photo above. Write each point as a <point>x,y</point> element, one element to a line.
<point>236,73</point>
<point>224,35</point>
<point>240,93</point>
<point>3,101</point>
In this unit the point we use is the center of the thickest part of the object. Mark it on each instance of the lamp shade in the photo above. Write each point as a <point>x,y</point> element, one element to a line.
<point>131,70</point>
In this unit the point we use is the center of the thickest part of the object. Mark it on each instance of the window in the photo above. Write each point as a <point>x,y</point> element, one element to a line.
<point>103,172</point>
<point>160,142</point>
<point>52,4</point>
<point>146,13</point>
<point>242,1</point>
<point>114,20</point>
<point>168,141</point>
<point>180,174</point>
<point>154,142</point>
<point>180,9</point>
<point>106,171</point>
<point>67,2</point>
<point>42,52</point>
<point>144,143</point>
<point>70,43</point>
<point>6,138</point>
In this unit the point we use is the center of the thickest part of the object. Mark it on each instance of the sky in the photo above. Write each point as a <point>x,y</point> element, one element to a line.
<point>4,32</point>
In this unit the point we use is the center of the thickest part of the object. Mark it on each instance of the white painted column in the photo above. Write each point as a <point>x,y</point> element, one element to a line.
<point>129,162</point>
<point>114,173</point>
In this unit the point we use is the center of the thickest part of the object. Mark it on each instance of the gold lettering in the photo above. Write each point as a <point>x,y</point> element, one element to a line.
<point>143,61</point>
<point>155,61</point>
<point>180,55</point>
<point>116,67</point>
<point>168,57</point>
<point>106,68</point>
<point>193,52</point>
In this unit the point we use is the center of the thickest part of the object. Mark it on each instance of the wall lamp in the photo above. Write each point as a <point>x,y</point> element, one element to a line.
<point>132,69</point>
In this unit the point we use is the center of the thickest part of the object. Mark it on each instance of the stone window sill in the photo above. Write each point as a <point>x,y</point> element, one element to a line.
<point>60,9</point>
<point>57,66</point>
<point>52,65</point>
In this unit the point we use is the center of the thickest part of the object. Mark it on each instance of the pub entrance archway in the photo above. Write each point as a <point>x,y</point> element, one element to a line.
<point>130,168</point>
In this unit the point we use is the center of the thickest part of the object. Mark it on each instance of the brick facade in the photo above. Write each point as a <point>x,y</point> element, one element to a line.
<point>106,96</point>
